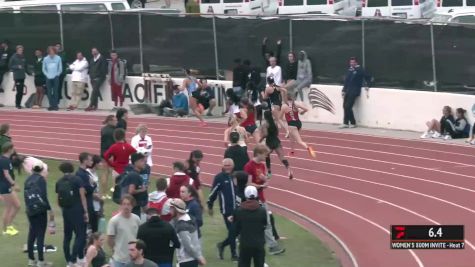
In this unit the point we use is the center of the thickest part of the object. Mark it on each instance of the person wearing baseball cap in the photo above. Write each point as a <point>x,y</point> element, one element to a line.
<point>250,222</point>
<point>189,254</point>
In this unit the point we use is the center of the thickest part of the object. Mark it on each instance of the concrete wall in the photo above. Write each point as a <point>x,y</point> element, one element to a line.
<point>384,108</point>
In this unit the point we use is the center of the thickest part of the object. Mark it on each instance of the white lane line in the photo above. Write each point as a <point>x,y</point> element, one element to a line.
<point>334,154</point>
<point>157,122</point>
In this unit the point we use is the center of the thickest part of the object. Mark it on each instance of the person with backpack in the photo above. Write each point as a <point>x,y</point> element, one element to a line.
<point>116,71</point>
<point>157,200</point>
<point>73,203</point>
<point>134,184</point>
<point>37,207</point>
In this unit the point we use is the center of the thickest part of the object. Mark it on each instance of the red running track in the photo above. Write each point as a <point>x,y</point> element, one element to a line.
<point>356,187</point>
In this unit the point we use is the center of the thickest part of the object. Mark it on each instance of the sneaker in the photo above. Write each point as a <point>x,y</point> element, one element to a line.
<point>287,135</point>
<point>32,263</point>
<point>312,152</point>
<point>115,108</point>
<point>209,114</point>
<point>35,107</point>
<point>50,248</point>
<point>472,142</point>
<point>220,249</point>
<point>344,126</point>
<point>352,126</point>
<point>447,137</point>
<point>276,250</point>
<point>291,175</point>
<point>269,175</point>
<point>425,135</point>
<point>436,135</point>
<point>81,262</point>
<point>12,231</point>
<point>235,258</point>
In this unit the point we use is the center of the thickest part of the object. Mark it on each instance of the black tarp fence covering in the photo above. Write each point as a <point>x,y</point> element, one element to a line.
<point>398,55</point>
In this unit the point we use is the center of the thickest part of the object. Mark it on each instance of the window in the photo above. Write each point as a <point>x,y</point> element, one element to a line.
<point>401,2</point>
<point>38,8</point>
<point>117,6</point>
<point>470,2</point>
<point>233,1</point>
<point>293,2</point>
<point>6,9</point>
<point>316,2</point>
<point>377,3</point>
<point>84,7</point>
<point>469,19</point>
<point>210,1</point>
<point>452,2</point>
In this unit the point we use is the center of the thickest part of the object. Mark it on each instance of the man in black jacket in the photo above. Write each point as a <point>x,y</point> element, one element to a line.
<point>160,238</point>
<point>251,220</point>
<point>17,65</point>
<point>223,187</point>
<point>97,74</point>
<point>355,77</point>
<point>5,54</point>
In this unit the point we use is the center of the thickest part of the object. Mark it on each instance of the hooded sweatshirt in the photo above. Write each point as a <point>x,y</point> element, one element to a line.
<point>161,240</point>
<point>190,248</point>
<point>304,71</point>
<point>175,182</point>
<point>251,221</point>
<point>157,200</point>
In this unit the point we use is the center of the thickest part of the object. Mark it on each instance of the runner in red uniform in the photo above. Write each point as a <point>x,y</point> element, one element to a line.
<point>291,111</point>
<point>248,115</point>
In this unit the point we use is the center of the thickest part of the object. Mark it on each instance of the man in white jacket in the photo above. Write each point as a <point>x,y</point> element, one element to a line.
<point>143,144</point>
<point>79,78</point>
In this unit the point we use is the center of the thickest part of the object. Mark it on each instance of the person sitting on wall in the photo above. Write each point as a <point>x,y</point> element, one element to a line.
<point>179,104</point>
<point>304,76</point>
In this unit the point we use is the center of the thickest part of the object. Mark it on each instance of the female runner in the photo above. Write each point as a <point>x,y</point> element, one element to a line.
<point>274,95</point>
<point>291,111</point>
<point>270,132</point>
<point>248,116</point>
<point>235,127</point>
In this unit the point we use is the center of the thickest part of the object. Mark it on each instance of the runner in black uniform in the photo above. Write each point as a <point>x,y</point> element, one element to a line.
<point>270,132</point>
<point>273,96</point>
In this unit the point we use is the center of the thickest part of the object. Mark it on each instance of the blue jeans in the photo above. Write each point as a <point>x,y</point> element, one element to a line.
<point>52,86</point>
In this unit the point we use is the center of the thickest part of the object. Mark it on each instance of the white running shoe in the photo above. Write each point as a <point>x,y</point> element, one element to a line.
<point>436,135</point>
<point>425,135</point>
<point>447,137</point>
<point>344,126</point>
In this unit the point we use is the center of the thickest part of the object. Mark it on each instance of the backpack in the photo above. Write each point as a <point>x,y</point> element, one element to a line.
<point>65,190</point>
<point>119,189</point>
<point>34,203</point>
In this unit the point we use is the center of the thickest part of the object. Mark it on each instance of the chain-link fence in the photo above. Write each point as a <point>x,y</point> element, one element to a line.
<point>398,54</point>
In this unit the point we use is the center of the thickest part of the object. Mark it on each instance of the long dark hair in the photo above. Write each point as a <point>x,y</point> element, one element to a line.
<point>272,127</point>
<point>462,112</point>
<point>194,194</point>
<point>17,162</point>
<point>93,237</point>
<point>194,154</point>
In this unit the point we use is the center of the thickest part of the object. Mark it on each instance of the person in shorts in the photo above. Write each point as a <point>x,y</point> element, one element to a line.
<point>8,189</point>
<point>40,79</point>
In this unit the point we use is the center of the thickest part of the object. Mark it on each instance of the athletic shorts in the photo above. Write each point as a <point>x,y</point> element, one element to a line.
<point>297,124</point>
<point>5,189</point>
<point>251,128</point>
<point>40,82</point>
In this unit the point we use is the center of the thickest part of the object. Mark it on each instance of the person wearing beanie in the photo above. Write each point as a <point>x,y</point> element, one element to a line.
<point>250,221</point>
<point>189,254</point>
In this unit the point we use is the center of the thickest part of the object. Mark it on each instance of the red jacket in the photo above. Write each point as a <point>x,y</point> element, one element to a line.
<point>121,153</point>
<point>177,180</point>
<point>157,200</point>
